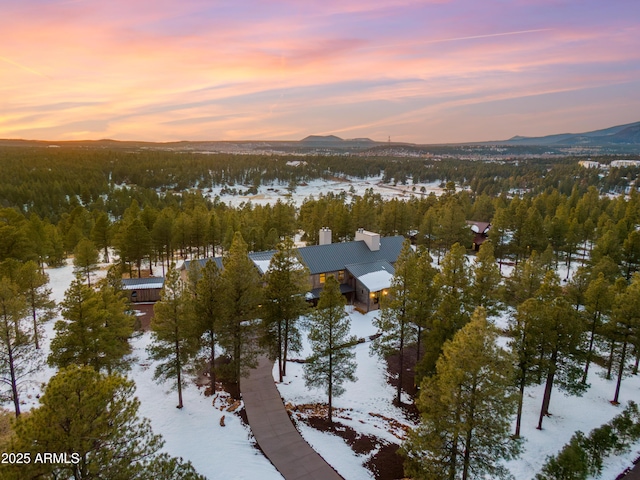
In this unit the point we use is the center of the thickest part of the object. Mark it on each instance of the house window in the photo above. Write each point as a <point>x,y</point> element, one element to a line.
<point>323,277</point>
<point>341,276</point>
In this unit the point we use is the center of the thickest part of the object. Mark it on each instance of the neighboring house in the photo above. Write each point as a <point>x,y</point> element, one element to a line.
<point>480,232</point>
<point>364,267</point>
<point>142,290</point>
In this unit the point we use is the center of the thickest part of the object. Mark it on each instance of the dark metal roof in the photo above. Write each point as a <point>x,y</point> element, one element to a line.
<point>203,262</point>
<point>360,269</point>
<point>329,258</point>
<point>334,256</point>
<point>344,289</point>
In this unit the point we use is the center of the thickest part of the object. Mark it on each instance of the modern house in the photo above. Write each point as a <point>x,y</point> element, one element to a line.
<point>363,267</point>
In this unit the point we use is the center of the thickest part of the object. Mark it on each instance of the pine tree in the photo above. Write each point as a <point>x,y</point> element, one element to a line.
<point>174,340</point>
<point>14,242</point>
<point>33,285</point>
<point>525,281</point>
<point>451,227</point>
<point>597,307</point>
<point>117,326</point>
<point>465,410</point>
<point>133,243</point>
<point>498,234</point>
<point>333,360</point>
<point>241,295</point>
<point>55,253</point>
<point>560,343</point>
<point>423,297</point>
<point>93,418</point>
<point>95,330</point>
<point>427,232</point>
<point>394,322</point>
<point>526,335</point>
<point>287,282</point>
<point>486,279</point>
<point>18,357</point>
<point>162,236</point>
<point>85,259</point>
<point>625,324</point>
<point>454,308</point>
<point>631,253</point>
<point>37,232</point>
<point>209,311</point>
<point>101,234</point>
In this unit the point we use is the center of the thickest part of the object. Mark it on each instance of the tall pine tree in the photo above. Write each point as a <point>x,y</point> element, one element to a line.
<point>287,283</point>
<point>33,285</point>
<point>174,340</point>
<point>209,310</point>
<point>465,409</point>
<point>241,297</point>
<point>454,308</point>
<point>333,360</point>
<point>625,325</point>
<point>394,322</point>
<point>18,357</point>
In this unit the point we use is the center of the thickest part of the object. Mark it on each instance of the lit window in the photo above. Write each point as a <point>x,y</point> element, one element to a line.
<point>323,277</point>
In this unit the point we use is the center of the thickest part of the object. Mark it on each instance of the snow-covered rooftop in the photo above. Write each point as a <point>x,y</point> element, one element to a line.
<point>376,281</point>
<point>142,283</point>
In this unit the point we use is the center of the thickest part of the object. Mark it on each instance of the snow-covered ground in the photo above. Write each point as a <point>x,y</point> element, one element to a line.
<point>369,394</point>
<point>195,434</point>
<point>372,394</point>
<point>270,194</point>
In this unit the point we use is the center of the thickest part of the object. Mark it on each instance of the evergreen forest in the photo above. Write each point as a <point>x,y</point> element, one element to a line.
<point>153,208</point>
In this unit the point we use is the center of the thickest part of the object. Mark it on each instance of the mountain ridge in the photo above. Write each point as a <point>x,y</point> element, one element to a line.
<point>617,136</point>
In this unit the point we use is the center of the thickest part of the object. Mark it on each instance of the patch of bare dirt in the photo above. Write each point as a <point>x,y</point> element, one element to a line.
<point>384,461</point>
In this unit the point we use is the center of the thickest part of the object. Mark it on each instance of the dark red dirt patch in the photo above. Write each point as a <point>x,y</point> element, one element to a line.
<point>143,320</point>
<point>360,444</point>
<point>385,464</point>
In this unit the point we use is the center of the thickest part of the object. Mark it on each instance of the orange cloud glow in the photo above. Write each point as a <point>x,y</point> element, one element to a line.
<point>420,71</point>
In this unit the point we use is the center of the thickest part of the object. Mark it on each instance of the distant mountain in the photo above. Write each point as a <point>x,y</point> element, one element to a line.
<point>628,134</point>
<point>321,139</point>
<point>332,139</point>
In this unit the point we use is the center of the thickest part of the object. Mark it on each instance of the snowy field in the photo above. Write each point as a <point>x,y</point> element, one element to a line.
<point>270,194</point>
<point>195,434</point>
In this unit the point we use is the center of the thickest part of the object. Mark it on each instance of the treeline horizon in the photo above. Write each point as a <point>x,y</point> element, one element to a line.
<point>52,199</point>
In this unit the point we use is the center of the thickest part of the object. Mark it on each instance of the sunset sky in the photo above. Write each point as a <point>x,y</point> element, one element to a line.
<point>418,71</point>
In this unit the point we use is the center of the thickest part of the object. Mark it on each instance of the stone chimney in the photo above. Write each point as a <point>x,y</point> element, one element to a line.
<point>371,239</point>
<point>325,236</point>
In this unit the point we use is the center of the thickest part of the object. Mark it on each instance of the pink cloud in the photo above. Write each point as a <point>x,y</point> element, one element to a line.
<point>151,66</point>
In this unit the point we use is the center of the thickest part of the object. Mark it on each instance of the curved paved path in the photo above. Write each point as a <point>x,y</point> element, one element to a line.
<point>274,432</point>
<point>633,474</point>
